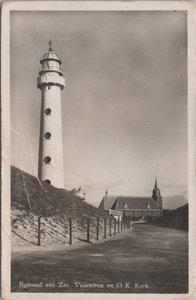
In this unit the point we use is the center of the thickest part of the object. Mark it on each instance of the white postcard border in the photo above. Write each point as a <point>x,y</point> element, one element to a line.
<point>5,93</point>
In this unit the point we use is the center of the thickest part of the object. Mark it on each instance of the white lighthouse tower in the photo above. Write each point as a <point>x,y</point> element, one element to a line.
<point>51,82</point>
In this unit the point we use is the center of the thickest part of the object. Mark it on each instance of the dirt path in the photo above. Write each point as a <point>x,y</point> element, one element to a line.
<point>149,259</point>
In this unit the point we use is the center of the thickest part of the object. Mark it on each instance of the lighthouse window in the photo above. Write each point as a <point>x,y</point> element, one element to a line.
<point>47,135</point>
<point>47,159</point>
<point>48,111</point>
<point>48,181</point>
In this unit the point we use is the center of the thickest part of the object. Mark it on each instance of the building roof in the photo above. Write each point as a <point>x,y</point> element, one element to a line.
<point>107,202</point>
<point>123,202</point>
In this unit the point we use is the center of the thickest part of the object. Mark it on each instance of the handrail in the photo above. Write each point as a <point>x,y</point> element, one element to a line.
<point>51,68</point>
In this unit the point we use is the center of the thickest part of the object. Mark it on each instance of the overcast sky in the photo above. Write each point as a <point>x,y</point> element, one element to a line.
<point>125,103</point>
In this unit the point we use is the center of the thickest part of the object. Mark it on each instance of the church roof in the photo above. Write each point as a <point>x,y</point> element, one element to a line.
<point>134,203</point>
<point>107,202</point>
<point>123,202</point>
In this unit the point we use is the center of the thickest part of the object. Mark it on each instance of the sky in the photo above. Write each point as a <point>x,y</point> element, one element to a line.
<point>124,106</point>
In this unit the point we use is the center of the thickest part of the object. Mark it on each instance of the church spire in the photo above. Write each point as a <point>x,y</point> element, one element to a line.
<point>155,185</point>
<point>156,193</point>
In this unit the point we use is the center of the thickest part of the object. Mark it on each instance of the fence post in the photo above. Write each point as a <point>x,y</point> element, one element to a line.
<point>70,231</point>
<point>97,228</point>
<point>110,225</point>
<point>39,231</point>
<point>121,225</point>
<point>114,226</point>
<point>118,225</point>
<point>105,224</point>
<point>124,223</point>
<point>88,229</point>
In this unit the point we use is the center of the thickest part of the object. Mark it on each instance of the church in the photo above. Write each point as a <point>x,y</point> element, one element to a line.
<point>134,207</point>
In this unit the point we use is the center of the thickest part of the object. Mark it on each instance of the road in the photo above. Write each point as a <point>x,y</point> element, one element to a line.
<point>148,259</point>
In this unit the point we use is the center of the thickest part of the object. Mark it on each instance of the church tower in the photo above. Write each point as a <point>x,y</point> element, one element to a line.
<point>156,195</point>
<point>51,82</point>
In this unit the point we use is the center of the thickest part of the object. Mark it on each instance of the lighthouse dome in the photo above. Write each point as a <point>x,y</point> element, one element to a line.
<point>50,55</point>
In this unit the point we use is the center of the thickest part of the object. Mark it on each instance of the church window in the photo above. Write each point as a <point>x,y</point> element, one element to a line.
<point>47,159</point>
<point>125,205</point>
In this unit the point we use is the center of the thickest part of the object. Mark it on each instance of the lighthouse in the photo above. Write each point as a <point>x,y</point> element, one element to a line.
<point>51,82</point>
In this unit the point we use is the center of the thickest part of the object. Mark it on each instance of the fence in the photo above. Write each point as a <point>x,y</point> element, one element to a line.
<point>171,220</point>
<point>93,229</point>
